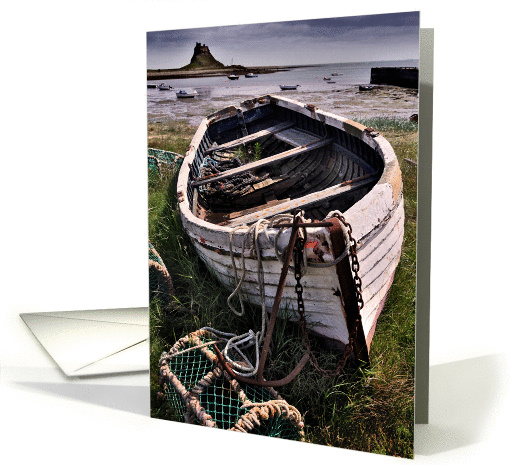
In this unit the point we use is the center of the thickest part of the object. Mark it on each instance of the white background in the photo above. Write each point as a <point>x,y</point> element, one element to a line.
<point>74,225</point>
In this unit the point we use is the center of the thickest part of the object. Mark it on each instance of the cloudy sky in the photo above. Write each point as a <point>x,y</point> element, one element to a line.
<point>333,40</point>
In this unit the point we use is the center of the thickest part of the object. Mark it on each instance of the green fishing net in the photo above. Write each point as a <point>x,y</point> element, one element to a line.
<point>161,162</point>
<point>198,391</point>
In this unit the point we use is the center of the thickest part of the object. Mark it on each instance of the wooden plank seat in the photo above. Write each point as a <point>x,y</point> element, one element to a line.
<point>250,138</point>
<point>307,200</point>
<point>264,162</point>
<point>268,187</point>
<point>295,137</point>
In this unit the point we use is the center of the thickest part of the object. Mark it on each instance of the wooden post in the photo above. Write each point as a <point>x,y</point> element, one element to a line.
<point>348,292</point>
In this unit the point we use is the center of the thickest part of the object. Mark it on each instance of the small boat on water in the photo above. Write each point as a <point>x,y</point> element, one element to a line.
<point>330,82</point>
<point>251,75</point>
<point>334,74</point>
<point>365,88</point>
<point>233,77</point>
<point>163,86</point>
<point>151,86</point>
<point>184,94</point>
<point>326,78</point>
<point>309,159</point>
<point>285,87</point>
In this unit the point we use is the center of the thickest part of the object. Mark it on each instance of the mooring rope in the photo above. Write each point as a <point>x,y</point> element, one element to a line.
<point>251,236</point>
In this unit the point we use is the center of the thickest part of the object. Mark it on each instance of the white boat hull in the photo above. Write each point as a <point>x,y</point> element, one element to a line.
<point>377,222</point>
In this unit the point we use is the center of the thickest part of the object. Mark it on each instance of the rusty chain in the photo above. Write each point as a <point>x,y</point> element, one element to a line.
<point>298,262</point>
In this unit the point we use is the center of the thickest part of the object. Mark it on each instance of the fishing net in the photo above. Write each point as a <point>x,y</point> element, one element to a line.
<point>160,282</point>
<point>199,391</point>
<point>162,162</point>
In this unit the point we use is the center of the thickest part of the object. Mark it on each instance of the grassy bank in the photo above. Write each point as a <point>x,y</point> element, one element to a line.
<point>370,409</point>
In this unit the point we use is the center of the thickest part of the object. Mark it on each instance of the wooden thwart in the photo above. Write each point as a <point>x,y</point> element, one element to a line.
<point>295,137</point>
<point>252,137</point>
<point>248,211</point>
<point>290,205</point>
<point>264,162</point>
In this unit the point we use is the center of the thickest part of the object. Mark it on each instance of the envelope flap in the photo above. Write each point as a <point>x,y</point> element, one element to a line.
<point>134,316</point>
<point>75,343</point>
<point>132,359</point>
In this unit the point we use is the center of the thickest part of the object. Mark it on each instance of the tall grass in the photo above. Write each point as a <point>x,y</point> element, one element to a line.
<point>367,408</point>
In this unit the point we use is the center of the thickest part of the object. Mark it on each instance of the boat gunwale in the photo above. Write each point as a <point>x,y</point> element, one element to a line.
<point>390,175</point>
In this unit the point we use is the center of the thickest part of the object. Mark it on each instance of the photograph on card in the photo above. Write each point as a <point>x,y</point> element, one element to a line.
<point>282,200</point>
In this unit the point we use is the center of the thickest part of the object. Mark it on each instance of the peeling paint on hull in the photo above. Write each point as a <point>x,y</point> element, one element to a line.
<point>376,214</point>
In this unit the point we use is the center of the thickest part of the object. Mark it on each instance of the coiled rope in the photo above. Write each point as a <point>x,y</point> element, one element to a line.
<point>239,343</point>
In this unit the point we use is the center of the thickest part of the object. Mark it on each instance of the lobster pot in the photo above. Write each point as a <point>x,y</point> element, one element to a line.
<point>160,282</point>
<point>200,392</point>
<point>162,162</point>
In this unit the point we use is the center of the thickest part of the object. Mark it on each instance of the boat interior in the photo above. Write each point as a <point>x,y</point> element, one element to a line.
<point>285,160</point>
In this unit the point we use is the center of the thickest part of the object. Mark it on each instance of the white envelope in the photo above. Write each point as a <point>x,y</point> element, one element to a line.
<point>94,342</point>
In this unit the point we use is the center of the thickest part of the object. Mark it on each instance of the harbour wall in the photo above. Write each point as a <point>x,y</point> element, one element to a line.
<point>402,77</point>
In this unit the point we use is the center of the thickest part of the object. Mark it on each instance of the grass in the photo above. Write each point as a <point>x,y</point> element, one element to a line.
<point>368,408</point>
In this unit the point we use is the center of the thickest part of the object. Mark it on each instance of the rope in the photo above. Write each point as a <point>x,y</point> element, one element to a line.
<point>264,411</point>
<point>250,338</point>
<point>197,408</point>
<point>189,349</point>
<point>251,235</point>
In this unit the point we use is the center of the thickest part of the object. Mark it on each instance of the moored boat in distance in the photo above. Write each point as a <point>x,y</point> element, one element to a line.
<point>326,78</point>
<point>163,86</point>
<point>287,87</point>
<point>184,94</point>
<point>233,76</point>
<point>250,75</point>
<point>151,86</point>
<point>365,88</point>
<point>311,160</point>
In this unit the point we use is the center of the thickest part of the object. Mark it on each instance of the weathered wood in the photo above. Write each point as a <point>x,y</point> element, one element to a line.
<point>239,213</point>
<point>320,303</point>
<point>264,162</point>
<point>195,201</point>
<point>251,138</point>
<point>295,137</point>
<point>376,216</point>
<point>267,187</point>
<point>307,200</point>
<point>348,297</point>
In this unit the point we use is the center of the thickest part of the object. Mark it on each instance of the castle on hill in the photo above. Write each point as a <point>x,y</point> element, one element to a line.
<point>202,58</point>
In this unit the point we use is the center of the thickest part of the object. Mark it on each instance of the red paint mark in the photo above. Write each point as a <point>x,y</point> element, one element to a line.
<point>202,240</point>
<point>311,244</point>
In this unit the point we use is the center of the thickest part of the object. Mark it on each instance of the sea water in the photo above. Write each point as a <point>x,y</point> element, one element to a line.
<point>219,91</point>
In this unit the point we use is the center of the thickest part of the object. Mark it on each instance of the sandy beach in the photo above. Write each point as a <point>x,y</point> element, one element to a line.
<point>348,101</point>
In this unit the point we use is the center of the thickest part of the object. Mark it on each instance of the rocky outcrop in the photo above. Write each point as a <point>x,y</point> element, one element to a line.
<point>203,59</point>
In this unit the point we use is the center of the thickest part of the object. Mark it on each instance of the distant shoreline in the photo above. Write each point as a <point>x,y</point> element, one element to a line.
<point>154,75</point>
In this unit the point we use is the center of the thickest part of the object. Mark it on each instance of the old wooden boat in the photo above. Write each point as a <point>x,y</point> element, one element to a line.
<point>184,94</point>
<point>311,160</point>
<point>288,87</point>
